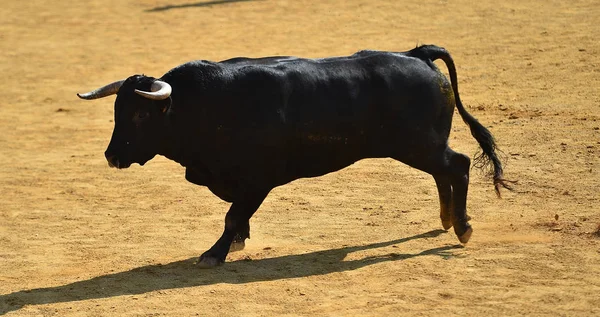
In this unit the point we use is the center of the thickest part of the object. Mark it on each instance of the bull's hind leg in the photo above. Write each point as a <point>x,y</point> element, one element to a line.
<point>445,192</point>
<point>459,165</point>
<point>451,173</point>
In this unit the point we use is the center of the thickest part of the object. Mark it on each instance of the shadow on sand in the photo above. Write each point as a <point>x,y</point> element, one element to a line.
<point>192,5</point>
<point>184,273</point>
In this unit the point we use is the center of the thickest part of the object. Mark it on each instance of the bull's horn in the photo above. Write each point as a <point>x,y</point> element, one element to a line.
<point>107,90</point>
<point>159,90</point>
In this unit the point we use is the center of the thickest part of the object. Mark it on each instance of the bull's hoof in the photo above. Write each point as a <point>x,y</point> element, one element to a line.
<point>447,224</point>
<point>464,238</point>
<point>237,246</point>
<point>208,262</point>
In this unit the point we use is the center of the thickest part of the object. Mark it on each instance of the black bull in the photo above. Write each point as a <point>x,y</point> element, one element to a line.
<point>244,126</point>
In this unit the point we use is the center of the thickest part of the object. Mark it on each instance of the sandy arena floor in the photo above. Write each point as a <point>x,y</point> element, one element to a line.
<point>80,239</point>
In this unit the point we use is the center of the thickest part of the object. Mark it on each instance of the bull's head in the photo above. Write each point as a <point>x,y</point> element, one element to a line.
<point>139,115</point>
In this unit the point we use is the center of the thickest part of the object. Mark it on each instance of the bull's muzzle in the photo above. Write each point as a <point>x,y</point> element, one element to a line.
<point>113,161</point>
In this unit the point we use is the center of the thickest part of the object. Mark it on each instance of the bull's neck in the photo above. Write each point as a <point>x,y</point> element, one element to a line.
<point>172,143</point>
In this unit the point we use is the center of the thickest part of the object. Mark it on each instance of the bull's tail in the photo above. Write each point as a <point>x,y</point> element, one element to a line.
<point>488,156</point>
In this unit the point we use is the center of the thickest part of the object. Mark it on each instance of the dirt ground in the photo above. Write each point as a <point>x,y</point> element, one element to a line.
<point>80,239</point>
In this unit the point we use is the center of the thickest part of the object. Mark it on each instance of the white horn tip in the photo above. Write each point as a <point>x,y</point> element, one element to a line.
<point>85,96</point>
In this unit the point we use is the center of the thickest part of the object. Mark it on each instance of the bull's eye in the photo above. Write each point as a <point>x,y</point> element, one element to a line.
<point>142,114</point>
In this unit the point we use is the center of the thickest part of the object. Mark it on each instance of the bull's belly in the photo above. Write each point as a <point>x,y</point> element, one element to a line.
<point>313,161</point>
<point>320,154</point>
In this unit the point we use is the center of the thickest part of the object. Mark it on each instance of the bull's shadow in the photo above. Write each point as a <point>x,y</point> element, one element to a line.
<point>184,273</point>
<point>192,5</point>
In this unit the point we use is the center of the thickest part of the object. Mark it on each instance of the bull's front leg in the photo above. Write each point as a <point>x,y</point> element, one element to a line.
<point>239,240</point>
<point>237,229</point>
